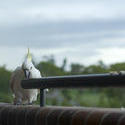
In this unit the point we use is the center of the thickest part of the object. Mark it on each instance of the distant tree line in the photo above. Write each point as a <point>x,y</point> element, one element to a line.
<point>107,97</point>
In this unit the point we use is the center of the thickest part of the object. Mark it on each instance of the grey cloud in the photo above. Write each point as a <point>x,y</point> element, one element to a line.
<point>54,34</point>
<point>60,34</point>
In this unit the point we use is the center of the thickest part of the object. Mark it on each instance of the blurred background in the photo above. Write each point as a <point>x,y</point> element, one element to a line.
<point>65,38</point>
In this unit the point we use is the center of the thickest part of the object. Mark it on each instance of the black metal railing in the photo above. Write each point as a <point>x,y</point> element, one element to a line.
<point>75,81</point>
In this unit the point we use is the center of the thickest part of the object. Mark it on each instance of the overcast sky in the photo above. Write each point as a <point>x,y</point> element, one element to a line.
<point>83,31</point>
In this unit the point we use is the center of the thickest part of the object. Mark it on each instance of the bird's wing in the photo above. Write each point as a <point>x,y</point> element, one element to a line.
<point>36,73</point>
<point>14,77</point>
<point>39,74</point>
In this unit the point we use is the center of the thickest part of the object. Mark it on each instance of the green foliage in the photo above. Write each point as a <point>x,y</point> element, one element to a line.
<point>4,86</point>
<point>76,69</point>
<point>49,69</point>
<point>117,67</point>
<point>5,76</point>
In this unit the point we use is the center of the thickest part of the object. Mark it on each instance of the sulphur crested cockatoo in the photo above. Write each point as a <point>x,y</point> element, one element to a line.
<point>26,71</point>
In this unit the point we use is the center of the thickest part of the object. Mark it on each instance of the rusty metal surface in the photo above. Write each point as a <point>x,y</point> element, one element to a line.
<point>35,115</point>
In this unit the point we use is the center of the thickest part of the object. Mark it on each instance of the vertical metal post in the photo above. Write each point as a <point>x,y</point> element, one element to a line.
<point>42,97</point>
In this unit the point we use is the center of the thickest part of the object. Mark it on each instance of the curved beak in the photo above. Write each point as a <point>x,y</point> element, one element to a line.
<point>26,73</point>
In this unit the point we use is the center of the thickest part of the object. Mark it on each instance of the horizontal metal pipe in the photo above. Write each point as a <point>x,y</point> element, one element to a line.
<point>76,81</point>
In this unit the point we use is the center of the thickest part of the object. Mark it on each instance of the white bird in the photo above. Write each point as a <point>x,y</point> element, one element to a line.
<point>26,71</point>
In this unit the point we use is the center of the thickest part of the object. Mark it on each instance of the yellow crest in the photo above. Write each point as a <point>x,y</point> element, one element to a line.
<point>29,57</point>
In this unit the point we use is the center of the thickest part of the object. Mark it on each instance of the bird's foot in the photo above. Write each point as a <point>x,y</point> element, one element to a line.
<point>17,101</point>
